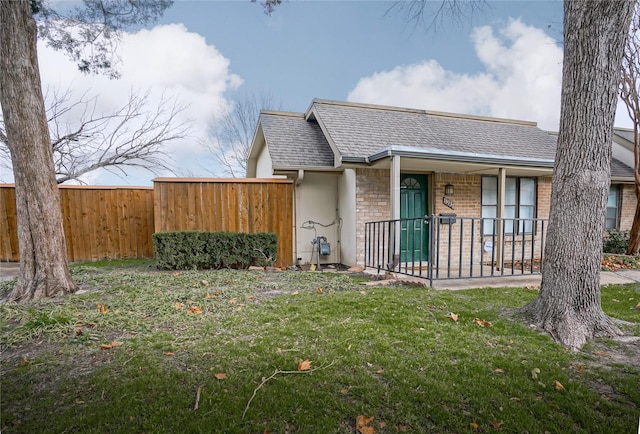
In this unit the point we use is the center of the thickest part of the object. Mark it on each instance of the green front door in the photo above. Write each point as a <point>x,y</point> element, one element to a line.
<point>414,235</point>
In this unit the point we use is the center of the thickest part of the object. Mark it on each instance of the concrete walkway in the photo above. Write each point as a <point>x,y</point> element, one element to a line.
<point>606,278</point>
<point>620,277</point>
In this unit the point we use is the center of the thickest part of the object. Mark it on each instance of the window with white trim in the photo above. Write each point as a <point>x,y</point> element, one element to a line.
<point>519,203</point>
<point>613,207</point>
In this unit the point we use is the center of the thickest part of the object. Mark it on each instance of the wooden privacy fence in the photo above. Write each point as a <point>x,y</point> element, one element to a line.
<point>99,222</point>
<point>234,205</point>
<point>118,222</point>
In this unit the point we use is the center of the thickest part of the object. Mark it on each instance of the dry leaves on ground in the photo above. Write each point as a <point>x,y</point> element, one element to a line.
<point>304,365</point>
<point>453,316</point>
<point>362,425</point>
<point>111,345</point>
<point>482,323</point>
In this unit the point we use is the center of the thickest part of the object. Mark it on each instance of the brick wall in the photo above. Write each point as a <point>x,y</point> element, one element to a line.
<point>628,206</point>
<point>373,203</point>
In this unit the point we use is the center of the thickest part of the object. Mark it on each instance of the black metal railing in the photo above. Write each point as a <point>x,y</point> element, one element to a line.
<point>451,247</point>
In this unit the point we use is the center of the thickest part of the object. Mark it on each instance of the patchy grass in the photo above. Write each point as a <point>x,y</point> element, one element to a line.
<point>391,353</point>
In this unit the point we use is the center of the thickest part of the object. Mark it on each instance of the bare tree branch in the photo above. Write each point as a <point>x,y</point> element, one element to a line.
<point>433,15</point>
<point>89,34</point>
<point>83,141</point>
<point>231,134</point>
<point>630,95</point>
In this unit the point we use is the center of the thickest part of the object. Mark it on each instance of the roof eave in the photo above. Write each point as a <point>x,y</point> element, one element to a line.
<point>460,157</point>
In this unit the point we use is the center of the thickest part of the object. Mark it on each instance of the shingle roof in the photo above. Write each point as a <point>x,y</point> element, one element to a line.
<point>620,170</point>
<point>359,131</point>
<point>293,141</point>
<point>362,130</point>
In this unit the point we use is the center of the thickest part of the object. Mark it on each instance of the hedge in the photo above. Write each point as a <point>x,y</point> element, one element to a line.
<point>184,250</point>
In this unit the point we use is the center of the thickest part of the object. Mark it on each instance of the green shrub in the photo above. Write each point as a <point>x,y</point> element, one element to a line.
<point>183,250</point>
<point>615,241</point>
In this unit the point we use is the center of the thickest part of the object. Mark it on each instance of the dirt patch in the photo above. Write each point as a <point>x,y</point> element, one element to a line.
<point>621,350</point>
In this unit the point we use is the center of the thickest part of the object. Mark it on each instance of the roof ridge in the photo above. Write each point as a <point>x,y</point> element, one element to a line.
<point>282,113</point>
<point>423,112</point>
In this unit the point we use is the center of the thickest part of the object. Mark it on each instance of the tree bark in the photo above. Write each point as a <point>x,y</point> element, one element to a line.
<point>568,305</point>
<point>44,270</point>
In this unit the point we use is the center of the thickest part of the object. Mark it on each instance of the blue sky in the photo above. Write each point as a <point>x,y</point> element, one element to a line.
<point>505,61</point>
<point>308,49</point>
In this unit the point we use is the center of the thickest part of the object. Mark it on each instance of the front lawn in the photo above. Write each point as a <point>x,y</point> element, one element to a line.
<point>254,352</point>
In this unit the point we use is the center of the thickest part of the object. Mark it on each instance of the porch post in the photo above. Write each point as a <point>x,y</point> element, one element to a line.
<point>502,180</point>
<point>394,247</point>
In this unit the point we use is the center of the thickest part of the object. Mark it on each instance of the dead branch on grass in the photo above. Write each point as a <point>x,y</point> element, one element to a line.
<point>272,376</point>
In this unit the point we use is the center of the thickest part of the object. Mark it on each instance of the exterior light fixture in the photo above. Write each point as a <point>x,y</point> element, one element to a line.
<point>448,190</point>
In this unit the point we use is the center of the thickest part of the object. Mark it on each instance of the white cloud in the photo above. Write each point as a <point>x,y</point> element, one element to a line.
<point>521,79</point>
<point>170,62</point>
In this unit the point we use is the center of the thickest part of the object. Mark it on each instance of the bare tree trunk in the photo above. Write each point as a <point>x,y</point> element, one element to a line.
<point>43,258</point>
<point>634,234</point>
<point>568,305</point>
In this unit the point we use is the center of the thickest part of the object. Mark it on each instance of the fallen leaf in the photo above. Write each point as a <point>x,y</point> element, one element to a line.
<point>304,365</point>
<point>220,376</point>
<point>499,371</point>
<point>194,309</point>
<point>473,426</point>
<point>453,316</point>
<point>296,292</point>
<point>178,305</point>
<point>319,290</point>
<point>558,385</point>
<point>534,373</point>
<point>363,292</point>
<point>637,306</point>
<point>362,425</point>
<point>600,353</point>
<point>344,391</point>
<point>102,308</point>
<point>208,295</point>
<point>205,283</point>
<point>111,345</point>
<point>233,301</point>
<point>482,323</point>
<point>580,368</point>
<point>494,423</point>
<point>79,332</point>
<point>380,371</point>
<point>168,353</point>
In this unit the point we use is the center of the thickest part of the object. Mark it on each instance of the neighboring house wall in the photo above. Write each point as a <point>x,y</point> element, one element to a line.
<point>347,207</point>
<point>317,201</point>
<point>621,152</point>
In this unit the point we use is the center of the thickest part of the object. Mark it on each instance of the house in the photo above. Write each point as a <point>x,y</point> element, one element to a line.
<point>358,163</point>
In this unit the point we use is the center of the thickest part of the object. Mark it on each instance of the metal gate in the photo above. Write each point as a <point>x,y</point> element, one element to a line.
<point>456,247</point>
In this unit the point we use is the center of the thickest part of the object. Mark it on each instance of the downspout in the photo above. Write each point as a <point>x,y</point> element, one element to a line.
<point>297,183</point>
<point>395,208</point>
<point>502,177</point>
